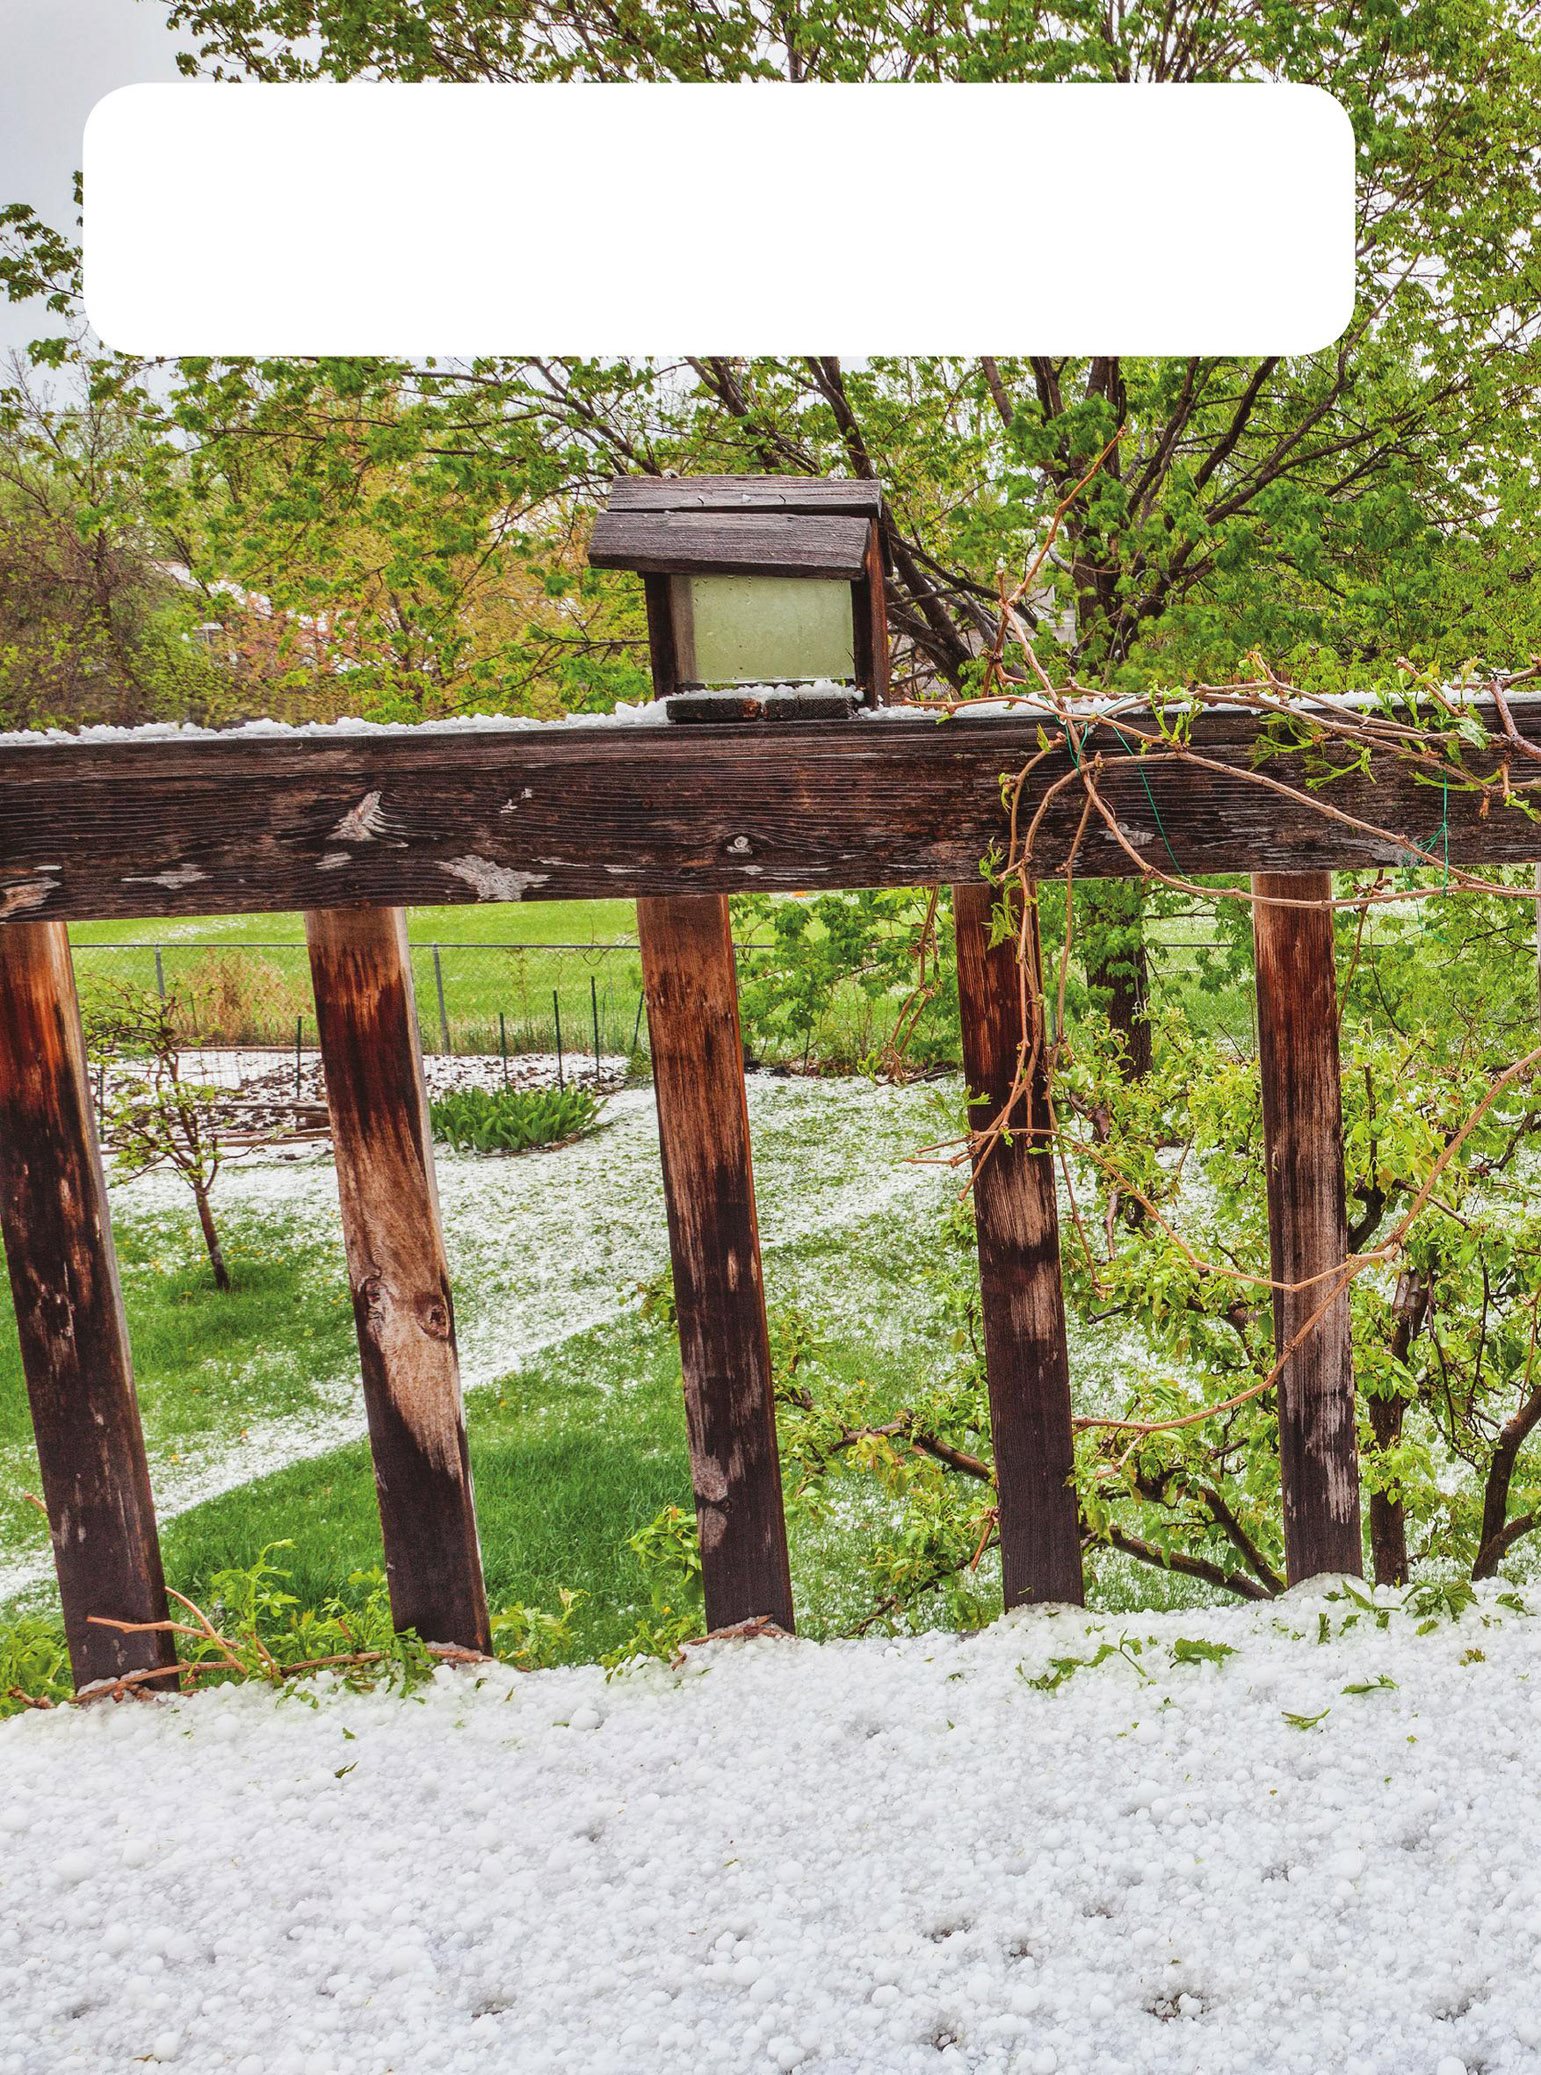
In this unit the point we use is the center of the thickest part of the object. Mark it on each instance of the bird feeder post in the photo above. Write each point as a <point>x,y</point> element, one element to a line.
<point>765,604</point>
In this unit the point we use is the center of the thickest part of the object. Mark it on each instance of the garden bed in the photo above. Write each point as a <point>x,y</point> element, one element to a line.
<point>274,1099</point>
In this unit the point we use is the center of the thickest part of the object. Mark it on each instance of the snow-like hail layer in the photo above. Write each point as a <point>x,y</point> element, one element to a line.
<point>646,714</point>
<point>857,1858</point>
<point>651,713</point>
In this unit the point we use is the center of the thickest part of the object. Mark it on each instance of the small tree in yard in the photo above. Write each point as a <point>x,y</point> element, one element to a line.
<point>152,1116</point>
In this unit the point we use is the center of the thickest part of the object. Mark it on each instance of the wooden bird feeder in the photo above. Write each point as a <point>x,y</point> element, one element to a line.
<point>765,596</point>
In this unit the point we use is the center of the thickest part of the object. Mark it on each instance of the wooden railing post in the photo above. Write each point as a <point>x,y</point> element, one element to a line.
<point>1022,1301</point>
<point>69,1316</point>
<point>397,1271</point>
<point>703,1129</point>
<point>1297,1023</point>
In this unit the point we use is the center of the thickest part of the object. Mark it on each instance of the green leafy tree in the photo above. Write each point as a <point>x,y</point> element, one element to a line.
<point>153,1115</point>
<point>97,621</point>
<point>1168,1237</point>
<point>848,980</point>
<point>1221,462</point>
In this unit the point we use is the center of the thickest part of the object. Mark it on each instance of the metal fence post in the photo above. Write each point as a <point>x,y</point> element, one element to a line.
<point>438,981</point>
<point>556,1007</point>
<point>594,1004</point>
<point>160,974</point>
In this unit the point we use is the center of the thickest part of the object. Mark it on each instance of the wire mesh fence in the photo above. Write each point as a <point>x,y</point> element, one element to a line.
<point>578,1006</point>
<point>550,1010</point>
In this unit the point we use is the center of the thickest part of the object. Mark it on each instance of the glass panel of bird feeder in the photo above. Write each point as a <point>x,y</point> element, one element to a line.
<point>770,629</point>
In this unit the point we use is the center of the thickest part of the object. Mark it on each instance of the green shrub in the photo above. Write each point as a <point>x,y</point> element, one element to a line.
<point>669,1550</point>
<point>849,982</point>
<point>34,1665</point>
<point>512,1120</point>
<point>254,1629</point>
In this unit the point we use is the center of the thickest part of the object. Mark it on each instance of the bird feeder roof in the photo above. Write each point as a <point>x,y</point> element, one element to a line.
<point>736,526</point>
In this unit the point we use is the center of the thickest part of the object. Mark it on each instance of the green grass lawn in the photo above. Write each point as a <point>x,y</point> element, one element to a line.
<point>470,922</point>
<point>214,1374</point>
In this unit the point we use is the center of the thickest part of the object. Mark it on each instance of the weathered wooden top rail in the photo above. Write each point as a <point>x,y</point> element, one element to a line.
<point>426,817</point>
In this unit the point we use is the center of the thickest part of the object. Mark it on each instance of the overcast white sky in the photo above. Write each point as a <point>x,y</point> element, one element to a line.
<point>57,58</point>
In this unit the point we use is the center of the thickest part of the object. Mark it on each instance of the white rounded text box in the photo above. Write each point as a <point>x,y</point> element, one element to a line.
<point>757,218</point>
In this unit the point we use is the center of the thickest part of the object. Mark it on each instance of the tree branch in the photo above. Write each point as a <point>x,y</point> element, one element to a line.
<point>1190,1566</point>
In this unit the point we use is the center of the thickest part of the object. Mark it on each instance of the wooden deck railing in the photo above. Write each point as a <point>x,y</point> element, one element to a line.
<point>351,827</point>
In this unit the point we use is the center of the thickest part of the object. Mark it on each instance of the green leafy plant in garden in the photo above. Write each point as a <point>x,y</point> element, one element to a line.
<point>512,1120</point>
<point>531,1637</point>
<point>34,1665</point>
<point>669,1551</point>
<point>254,1628</point>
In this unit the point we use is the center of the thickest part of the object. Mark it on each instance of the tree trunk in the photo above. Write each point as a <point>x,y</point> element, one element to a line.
<point>1111,916</point>
<point>1128,1010</point>
<point>1388,1516</point>
<point>1491,1541</point>
<point>211,1237</point>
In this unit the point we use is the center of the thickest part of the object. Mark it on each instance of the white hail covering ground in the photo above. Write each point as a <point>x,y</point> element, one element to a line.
<point>845,1857</point>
